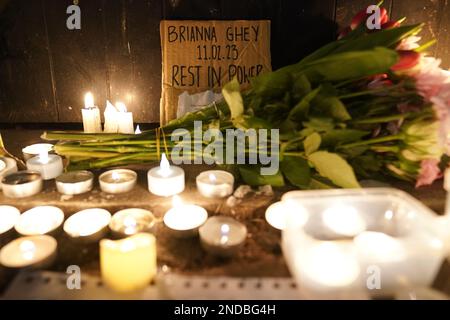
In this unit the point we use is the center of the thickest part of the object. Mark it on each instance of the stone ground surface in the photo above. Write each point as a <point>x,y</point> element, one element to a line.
<point>260,257</point>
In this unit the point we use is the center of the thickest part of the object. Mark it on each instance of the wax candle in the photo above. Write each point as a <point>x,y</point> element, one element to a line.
<point>343,220</point>
<point>75,182</point>
<point>9,166</point>
<point>222,236</point>
<point>36,149</point>
<point>49,166</point>
<point>138,130</point>
<point>131,221</point>
<point>184,219</point>
<point>129,264</point>
<point>91,115</point>
<point>29,252</point>
<point>39,221</point>
<point>118,181</point>
<point>111,118</point>
<point>125,119</point>
<point>277,214</point>
<point>88,225</point>
<point>22,184</point>
<point>9,216</point>
<point>215,183</point>
<point>165,180</point>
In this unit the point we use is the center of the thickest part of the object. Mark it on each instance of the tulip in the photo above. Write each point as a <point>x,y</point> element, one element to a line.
<point>408,59</point>
<point>362,16</point>
<point>344,32</point>
<point>390,25</point>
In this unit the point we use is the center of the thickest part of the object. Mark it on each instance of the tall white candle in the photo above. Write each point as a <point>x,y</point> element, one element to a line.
<point>165,180</point>
<point>91,115</point>
<point>125,119</point>
<point>111,118</point>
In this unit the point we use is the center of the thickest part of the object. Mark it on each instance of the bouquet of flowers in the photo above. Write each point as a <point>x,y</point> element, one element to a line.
<point>369,105</point>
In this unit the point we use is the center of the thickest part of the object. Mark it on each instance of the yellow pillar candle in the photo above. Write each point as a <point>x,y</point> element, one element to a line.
<point>129,264</point>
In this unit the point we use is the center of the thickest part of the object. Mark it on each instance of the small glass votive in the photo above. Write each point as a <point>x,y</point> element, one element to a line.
<point>222,236</point>
<point>118,181</point>
<point>22,184</point>
<point>74,183</point>
<point>129,222</point>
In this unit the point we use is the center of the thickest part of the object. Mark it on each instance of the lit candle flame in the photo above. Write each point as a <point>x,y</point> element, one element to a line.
<point>27,248</point>
<point>176,201</point>
<point>115,176</point>
<point>138,130</point>
<point>89,101</point>
<point>225,231</point>
<point>43,156</point>
<point>389,215</point>
<point>130,225</point>
<point>164,167</point>
<point>121,107</point>
<point>212,178</point>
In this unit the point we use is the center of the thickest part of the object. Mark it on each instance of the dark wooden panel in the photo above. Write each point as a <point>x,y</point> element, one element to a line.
<point>191,9</point>
<point>78,56</point>
<point>418,11</point>
<point>441,32</point>
<point>304,27</point>
<point>346,9</point>
<point>26,93</point>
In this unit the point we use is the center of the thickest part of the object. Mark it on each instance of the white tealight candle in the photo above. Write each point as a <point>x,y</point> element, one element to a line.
<point>111,118</point>
<point>165,180</point>
<point>185,219</point>
<point>131,221</point>
<point>9,216</point>
<point>7,166</point>
<point>344,220</point>
<point>118,181</point>
<point>49,166</point>
<point>22,184</point>
<point>222,236</point>
<point>29,252</point>
<point>75,182</point>
<point>277,214</point>
<point>91,115</point>
<point>125,119</point>
<point>39,221</point>
<point>36,149</point>
<point>215,183</point>
<point>88,225</point>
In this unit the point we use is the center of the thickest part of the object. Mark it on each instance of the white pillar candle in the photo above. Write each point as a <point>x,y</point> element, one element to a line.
<point>29,252</point>
<point>39,221</point>
<point>118,181</point>
<point>75,182</point>
<point>215,183</point>
<point>111,118</point>
<point>166,180</point>
<point>92,122</point>
<point>125,119</point>
<point>222,236</point>
<point>131,221</point>
<point>10,167</point>
<point>9,216</point>
<point>344,220</point>
<point>49,166</point>
<point>185,219</point>
<point>278,213</point>
<point>88,225</point>
<point>36,149</point>
<point>129,264</point>
<point>22,184</point>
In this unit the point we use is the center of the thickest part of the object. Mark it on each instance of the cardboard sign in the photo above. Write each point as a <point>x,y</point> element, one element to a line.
<point>202,55</point>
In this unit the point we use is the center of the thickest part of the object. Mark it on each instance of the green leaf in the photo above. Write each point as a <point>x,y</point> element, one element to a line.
<point>232,94</point>
<point>331,106</point>
<point>297,171</point>
<point>301,87</point>
<point>271,84</point>
<point>340,136</point>
<point>335,168</point>
<point>312,143</point>
<point>352,64</point>
<point>319,124</point>
<point>252,176</point>
<point>300,111</point>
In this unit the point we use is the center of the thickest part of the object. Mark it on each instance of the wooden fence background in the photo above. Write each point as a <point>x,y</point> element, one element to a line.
<point>45,68</point>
